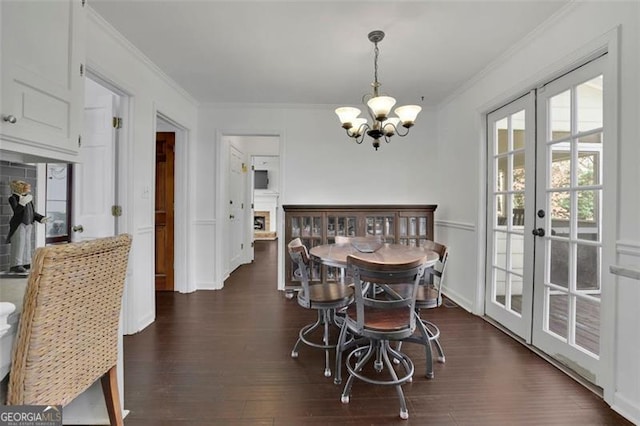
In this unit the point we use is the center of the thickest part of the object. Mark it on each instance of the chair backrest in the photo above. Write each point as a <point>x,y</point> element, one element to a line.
<point>68,332</point>
<point>300,257</point>
<point>434,276</point>
<point>366,273</point>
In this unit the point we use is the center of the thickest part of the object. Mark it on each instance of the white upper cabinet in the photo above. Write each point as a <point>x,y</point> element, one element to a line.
<point>41,100</point>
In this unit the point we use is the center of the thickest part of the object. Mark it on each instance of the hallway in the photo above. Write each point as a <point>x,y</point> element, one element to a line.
<point>222,358</point>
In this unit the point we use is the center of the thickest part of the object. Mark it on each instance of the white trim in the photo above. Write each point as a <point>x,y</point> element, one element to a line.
<point>607,42</point>
<point>204,222</point>
<point>208,285</point>
<point>98,20</point>
<point>147,229</point>
<point>268,106</point>
<point>222,271</point>
<point>628,247</point>
<point>183,261</point>
<point>458,299</point>
<point>625,271</point>
<point>465,226</point>
<point>626,407</point>
<point>589,51</point>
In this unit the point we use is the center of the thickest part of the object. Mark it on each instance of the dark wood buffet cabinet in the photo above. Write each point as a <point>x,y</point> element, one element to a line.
<point>319,224</point>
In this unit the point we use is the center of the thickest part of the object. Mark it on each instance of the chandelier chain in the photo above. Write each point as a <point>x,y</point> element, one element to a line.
<point>375,66</point>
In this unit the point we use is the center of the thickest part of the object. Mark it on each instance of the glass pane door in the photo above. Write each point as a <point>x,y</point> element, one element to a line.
<point>510,208</point>
<point>570,191</point>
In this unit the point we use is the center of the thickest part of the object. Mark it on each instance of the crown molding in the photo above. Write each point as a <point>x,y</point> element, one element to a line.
<point>516,48</point>
<point>103,24</point>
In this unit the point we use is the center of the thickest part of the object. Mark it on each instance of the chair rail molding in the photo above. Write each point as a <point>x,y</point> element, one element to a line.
<point>465,226</point>
<point>625,271</point>
<point>628,247</point>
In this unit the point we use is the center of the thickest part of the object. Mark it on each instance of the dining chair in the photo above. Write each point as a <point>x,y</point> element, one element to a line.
<point>373,321</point>
<point>68,332</point>
<point>324,297</point>
<point>428,296</point>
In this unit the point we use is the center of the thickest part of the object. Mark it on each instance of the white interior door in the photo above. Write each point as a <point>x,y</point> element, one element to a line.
<point>236,207</point>
<point>509,290</point>
<point>568,274</point>
<point>94,176</point>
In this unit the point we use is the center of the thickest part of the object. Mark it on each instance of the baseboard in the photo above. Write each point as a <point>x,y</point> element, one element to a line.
<point>457,299</point>
<point>626,408</point>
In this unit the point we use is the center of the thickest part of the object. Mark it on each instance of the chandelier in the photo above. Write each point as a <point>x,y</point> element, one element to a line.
<point>378,107</point>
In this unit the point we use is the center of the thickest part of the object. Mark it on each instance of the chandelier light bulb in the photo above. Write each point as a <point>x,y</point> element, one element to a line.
<point>408,114</point>
<point>347,115</point>
<point>358,127</point>
<point>389,125</point>
<point>381,106</point>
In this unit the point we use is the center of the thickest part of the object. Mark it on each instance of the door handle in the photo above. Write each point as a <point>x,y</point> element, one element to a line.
<point>10,119</point>
<point>77,228</point>
<point>538,232</point>
<point>231,216</point>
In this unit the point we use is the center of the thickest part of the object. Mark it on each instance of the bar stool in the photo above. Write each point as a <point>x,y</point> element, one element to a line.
<point>324,297</point>
<point>378,321</point>
<point>428,296</point>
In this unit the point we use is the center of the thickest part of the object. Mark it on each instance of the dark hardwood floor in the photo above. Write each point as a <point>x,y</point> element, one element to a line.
<point>222,358</point>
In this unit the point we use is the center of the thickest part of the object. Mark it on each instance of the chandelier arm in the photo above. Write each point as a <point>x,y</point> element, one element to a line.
<point>387,139</point>
<point>366,98</point>
<point>363,131</point>
<point>401,134</point>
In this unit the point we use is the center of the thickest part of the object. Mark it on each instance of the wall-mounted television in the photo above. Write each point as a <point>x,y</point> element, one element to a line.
<point>260,179</point>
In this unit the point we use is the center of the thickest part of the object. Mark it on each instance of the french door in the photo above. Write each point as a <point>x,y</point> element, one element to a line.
<point>545,205</point>
<point>509,297</point>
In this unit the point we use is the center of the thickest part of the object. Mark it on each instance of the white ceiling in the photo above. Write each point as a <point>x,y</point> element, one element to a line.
<point>317,52</point>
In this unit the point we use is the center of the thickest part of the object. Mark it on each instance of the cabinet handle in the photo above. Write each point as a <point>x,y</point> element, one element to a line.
<point>9,118</point>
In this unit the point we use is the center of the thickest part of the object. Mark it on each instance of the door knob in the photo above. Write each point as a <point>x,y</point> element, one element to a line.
<point>231,216</point>
<point>77,228</point>
<point>9,118</point>
<point>538,232</point>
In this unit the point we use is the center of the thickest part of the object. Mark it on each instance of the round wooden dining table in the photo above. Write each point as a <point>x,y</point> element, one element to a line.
<point>386,254</point>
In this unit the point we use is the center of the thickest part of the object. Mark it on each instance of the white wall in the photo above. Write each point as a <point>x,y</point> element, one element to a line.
<point>115,60</point>
<point>319,163</point>
<point>460,130</point>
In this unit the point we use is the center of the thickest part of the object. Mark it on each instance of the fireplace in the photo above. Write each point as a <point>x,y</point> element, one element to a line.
<point>259,223</point>
<point>262,226</point>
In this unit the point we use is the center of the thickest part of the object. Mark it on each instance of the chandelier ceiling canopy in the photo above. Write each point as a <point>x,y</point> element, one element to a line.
<point>379,107</point>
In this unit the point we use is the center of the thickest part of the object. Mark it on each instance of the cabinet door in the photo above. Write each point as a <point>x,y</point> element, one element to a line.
<point>342,224</point>
<point>307,227</point>
<point>381,225</point>
<point>413,228</point>
<point>42,86</point>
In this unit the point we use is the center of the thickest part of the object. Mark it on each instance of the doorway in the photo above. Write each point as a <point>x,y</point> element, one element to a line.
<point>235,202</point>
<point>546,218</point>
<point>165,211</point>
